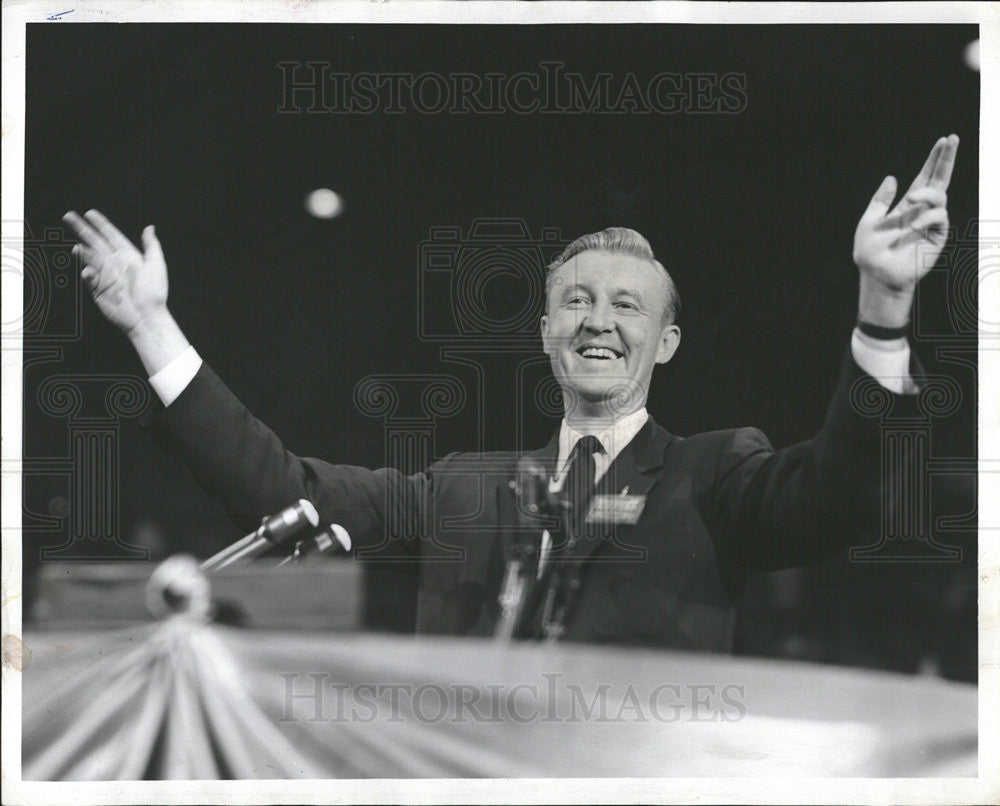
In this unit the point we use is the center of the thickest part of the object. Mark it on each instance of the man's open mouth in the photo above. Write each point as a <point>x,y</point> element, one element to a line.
<point>599,353</point>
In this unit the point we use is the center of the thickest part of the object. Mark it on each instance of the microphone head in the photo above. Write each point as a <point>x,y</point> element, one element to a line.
<point>291,521</point>
<point>309,512</point>
<point>532,489</point>
<point>333,538</point>
<point>342,536</point>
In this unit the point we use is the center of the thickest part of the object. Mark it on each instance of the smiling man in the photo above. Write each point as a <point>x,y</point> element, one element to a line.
<point>652,535</point>
<point>610,319</point>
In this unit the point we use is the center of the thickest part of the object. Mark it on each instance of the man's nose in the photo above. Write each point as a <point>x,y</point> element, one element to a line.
<point>599,318</point>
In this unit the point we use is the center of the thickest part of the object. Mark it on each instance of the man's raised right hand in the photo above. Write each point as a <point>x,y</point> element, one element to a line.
<point>128,286</point>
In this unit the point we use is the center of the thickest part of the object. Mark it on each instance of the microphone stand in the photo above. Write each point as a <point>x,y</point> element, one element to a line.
<point>180,585</point>
<point>333,539</point>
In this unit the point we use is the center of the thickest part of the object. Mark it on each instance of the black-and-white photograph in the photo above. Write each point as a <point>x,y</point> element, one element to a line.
<point>447,403</point>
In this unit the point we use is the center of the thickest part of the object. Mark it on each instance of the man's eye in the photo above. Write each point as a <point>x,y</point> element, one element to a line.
<point>629,306</point>
<point>576,301</point>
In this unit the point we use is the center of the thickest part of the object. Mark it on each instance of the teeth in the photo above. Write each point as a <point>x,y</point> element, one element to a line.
<point>599,352</point>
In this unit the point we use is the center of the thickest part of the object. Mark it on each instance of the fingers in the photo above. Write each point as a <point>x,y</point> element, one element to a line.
<point>85,232</point>
<point>89,277</point>
<point>927,171</point>
<point>96,232</point>
<point>945,164</point>
<point>935,218</point>
<point>87,257</point>
<point>912,205</point>
<point>928,195</point>
<point>85,254</point>
<point>151,244</point>
<point>109,231</point>
<point>95,268</point>
<point>882,199</point>
<point>939,165</point>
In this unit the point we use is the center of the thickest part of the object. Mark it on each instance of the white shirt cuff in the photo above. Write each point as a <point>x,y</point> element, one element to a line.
<point>173,379</point>
<point>887,362</point>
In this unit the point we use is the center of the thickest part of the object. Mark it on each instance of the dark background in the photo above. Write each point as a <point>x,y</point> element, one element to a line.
<point>753,214</point>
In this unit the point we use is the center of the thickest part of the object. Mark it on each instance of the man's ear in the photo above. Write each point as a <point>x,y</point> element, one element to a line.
<point>544,329</point>
<point>670,340</point>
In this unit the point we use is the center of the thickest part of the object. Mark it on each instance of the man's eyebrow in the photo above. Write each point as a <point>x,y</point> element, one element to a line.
<point>628,292</point>
<point>572,288</point>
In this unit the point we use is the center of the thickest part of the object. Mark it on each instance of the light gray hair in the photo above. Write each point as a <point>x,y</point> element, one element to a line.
<point>622,241</point>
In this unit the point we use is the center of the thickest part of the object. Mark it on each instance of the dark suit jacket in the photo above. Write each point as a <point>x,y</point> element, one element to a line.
<point>718,506</point>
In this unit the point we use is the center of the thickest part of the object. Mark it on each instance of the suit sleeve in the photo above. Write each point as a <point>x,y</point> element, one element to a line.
<point>804,503</point>
<point>241,463</point>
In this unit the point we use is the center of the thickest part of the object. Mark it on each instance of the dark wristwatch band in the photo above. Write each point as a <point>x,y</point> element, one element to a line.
<point>883,333</point>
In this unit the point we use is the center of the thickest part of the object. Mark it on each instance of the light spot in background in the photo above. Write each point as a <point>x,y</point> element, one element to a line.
<point>324,203</point>
<point>972,55</point>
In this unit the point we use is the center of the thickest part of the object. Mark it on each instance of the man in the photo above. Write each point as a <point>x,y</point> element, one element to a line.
<point>657,533</point>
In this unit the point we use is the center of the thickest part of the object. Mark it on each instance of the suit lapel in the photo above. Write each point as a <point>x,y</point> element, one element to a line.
<point>635,467</point>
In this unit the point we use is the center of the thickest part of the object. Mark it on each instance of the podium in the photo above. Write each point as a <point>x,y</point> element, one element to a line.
<point>185,699</point>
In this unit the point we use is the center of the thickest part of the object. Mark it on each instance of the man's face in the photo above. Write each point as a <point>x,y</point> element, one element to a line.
<point>605,330</point>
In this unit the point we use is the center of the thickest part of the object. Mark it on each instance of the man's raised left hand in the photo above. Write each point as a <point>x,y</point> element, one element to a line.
<point>894,248</point>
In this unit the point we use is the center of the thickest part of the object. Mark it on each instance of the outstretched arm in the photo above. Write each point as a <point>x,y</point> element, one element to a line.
<point>234,457</point>
<point>810,500</point>
<point>129,286</point>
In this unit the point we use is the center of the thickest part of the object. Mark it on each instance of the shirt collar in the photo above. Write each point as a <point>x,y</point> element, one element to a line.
<point>614,438</point>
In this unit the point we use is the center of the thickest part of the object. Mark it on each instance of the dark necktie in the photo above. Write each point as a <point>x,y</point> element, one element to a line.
<point>578,486</point>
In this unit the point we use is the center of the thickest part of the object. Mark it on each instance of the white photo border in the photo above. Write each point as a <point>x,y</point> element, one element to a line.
<point>984,789</point>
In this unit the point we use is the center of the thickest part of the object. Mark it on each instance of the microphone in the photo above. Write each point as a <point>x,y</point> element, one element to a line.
<point>532,488</point>
<point>540,510</point>
<point>290,521</point>
<point>333,540</point>
<point>274,529</point>
<point>535,505</point>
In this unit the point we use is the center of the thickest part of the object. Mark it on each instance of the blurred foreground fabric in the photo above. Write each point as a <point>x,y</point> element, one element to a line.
<point>185,699</point>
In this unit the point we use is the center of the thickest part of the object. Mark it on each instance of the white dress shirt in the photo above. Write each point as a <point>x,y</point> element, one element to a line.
<point>613,439</point>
